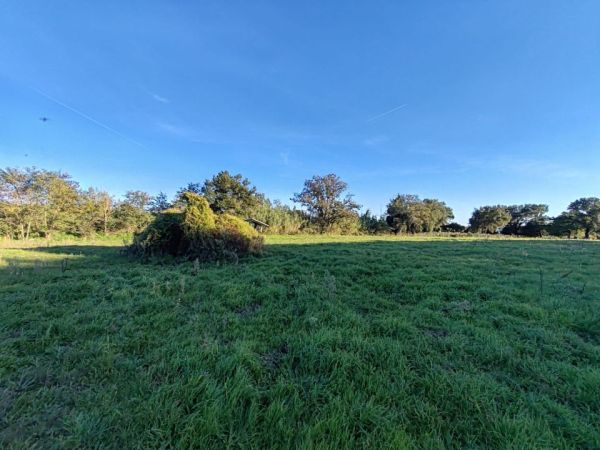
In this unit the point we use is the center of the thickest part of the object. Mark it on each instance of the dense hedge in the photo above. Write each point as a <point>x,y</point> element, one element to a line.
<point>195,231</point>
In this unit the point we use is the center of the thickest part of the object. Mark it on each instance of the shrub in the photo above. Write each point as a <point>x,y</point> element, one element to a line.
<point>162,236</point>
<point>197,232</point>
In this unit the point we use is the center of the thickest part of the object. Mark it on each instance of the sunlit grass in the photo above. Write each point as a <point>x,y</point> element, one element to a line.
<point>372,342</point>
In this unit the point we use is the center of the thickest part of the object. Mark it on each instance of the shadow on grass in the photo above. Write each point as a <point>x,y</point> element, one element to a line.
<point>325,250</point>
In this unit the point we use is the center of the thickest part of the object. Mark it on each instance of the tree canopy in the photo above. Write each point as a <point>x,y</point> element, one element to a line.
<point>523,215</point>
<point>585,213</point>
<point>324,200</point>
<point>42,203</point>
<point>408,213</point>
<point>231,194</point>
<point>489,219</point>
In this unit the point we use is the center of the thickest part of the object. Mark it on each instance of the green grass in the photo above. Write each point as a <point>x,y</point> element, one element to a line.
<point>323,342</point>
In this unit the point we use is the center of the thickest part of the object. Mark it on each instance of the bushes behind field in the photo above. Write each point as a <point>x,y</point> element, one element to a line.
<point>195,231</point>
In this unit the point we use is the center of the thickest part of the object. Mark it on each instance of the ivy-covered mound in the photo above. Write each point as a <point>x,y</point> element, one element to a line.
<point>195,231</point>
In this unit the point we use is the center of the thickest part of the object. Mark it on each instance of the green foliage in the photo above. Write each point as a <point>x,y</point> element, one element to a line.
<point>198,216</point>
<point>196,232</point>
<point>231,194</point>
<point>586,215</point>
<point>126,217</point>
<point>526,220</point>
<point>138,199</point>
<point>454,227</point>
<point>281,218</point>
<point>159,203</point>
<point>371,224</point>
<point>162,236</point>
<point>323,199</point>
<point>408,213</point>
<point>566,225</point>
<point>37,202</point>
<point>325,342</point>
<point>489,219</point>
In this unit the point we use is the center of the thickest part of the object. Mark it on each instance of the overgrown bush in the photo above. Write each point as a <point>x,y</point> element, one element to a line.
<point>195,231</point>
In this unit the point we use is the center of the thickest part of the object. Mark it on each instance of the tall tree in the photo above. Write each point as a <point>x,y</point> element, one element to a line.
<point>566,224</point>
<point>586,212</point>
<point>60,205</point>
<point>408,213</point>
<point>130,215</point>
<point>437,214</point>
<point>138,199</point>
<point>521,215</point>
<point>95,212</point>
<point>370,223</point>
<point>38,201</point>
<point>232,194</point>
<point>18,190</point>
<point>195,188</point>
<point>159,203</point>
<point>324,199</point>
<point>401,213</point>
<point>489,219</point>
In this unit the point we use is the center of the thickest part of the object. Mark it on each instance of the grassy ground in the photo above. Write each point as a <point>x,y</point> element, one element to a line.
<point>321,343</point>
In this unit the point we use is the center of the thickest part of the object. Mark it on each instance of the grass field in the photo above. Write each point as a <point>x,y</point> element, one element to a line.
<point>321,343</point>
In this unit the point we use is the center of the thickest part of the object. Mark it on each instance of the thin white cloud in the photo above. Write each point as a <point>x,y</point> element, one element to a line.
<point>160,98</point>
<point>88,117</point>
<point>383,114</point>
<point>285,158</point>
<point>375,140</point>
<point>177,130</point>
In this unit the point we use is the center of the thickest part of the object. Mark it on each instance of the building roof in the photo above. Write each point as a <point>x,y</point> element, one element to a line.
<point>257,222</point>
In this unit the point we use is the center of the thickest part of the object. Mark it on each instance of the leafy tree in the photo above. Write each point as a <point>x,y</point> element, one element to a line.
<point>130,215</point>
<point>60,203</point>
<point>437,213</point>
<point>96,208</point>
<point>37,201</point>
<point>231,194</point>
<point>489,219</point>
<point>105,202</point>
<point>401,213</point>
<point>194,188</point>
<point>408,213</point>
<point>522,215</point>
<point>454,227</point>
<point>324,200</point>
<point>17,194</point>
<point>138,199</point>
<point>281,218</point>
<point>535,228</point>
<point>159,203</point>
<point>566,224</point>
<point>370,223</point>
<point>586,214</point>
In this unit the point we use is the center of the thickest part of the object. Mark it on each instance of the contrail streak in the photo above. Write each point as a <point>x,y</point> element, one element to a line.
<point>379,116</point>
<point>87,117</point>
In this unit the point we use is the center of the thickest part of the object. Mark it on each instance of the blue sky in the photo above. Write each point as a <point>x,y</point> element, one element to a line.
<point>472,102</point>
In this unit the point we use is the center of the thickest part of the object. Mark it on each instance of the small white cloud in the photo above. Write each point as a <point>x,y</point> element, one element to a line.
<point>375,140</point>
<point>159,98</point>
<point>285,158</point>
<point>174,129</point>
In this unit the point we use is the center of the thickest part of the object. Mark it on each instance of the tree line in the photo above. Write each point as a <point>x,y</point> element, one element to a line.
<point>42,203</point>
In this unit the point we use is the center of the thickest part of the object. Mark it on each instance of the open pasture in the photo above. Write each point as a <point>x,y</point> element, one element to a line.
<point>323,342</point>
